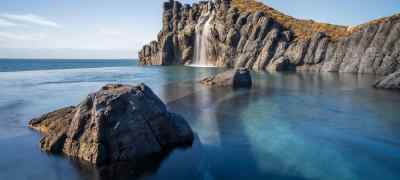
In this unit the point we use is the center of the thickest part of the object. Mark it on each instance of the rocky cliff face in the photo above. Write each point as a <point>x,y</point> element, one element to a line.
<point>223,34</point>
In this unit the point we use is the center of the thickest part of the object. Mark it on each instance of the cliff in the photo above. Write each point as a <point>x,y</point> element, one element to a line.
<point>245,33</point>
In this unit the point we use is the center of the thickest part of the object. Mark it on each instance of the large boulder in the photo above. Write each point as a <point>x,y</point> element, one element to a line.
<point>119,123</point>
<point>391,81</point>
<point>239,78</point>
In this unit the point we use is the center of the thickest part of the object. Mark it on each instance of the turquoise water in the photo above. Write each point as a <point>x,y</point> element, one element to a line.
<point>289,126</point>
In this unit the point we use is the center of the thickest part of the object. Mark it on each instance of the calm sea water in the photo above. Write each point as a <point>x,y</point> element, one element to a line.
<point>289,126</point>
<point>12,65</point>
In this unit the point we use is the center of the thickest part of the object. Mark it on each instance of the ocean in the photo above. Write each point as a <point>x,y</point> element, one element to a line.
<point>12,65</point>
<point>289,126</point>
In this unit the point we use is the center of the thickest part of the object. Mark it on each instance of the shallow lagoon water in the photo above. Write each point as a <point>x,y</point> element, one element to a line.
<point>289,126</point>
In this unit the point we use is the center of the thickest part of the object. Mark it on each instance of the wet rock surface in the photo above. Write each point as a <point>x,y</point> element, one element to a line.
<point>239,78</point>
<point>391,81</point>
<point>119,123</point>
<point>256,41</point>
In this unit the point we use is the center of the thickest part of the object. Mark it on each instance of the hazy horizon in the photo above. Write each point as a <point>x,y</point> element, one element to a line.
<point>118,29</point>
<point>65,54</point>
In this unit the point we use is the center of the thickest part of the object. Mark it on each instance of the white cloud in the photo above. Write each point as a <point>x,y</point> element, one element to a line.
<point>21,37</point>
<point>6,23</point>
<point>31,19</point>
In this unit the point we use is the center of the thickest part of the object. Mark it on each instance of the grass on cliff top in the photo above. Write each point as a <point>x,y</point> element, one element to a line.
<point>303,29</point>
<point>377,21</point>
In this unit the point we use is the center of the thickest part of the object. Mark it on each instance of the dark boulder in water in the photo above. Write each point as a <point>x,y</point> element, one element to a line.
<point>391,81</point>
<point>239,78</point>
<point>119,123</point>
<point>242,78</point>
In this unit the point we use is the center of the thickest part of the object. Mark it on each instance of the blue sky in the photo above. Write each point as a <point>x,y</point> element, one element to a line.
<point>118,28</point>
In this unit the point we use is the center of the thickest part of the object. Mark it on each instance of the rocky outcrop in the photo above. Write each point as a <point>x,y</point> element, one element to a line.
<point>239,78</point>
<point>391,81</point>
<point>258,41</point>
<point>119,123</point>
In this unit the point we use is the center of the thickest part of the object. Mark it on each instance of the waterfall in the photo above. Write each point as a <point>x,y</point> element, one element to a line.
<point>203,32</point>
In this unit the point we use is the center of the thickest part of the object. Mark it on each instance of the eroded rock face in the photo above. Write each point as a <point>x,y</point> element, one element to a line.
<point>239,78</point>
<point>391,81</point>
<point>118,123</point>
<point>256,41</point>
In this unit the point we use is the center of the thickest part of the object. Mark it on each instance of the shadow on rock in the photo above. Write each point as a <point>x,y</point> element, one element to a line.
<point>119,123</point>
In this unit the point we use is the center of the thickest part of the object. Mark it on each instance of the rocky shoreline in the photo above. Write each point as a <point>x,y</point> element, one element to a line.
<point>122,123</point>
<point>391,81</point>
<point>255,40</point>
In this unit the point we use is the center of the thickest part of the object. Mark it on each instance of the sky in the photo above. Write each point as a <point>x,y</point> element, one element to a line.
<point>119,28</point>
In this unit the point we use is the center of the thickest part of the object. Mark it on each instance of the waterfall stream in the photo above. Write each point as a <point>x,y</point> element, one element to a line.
<point>203,32</point>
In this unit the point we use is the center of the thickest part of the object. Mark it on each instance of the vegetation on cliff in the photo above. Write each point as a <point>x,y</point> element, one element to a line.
<point>304,29</point>
<point>249,34</point>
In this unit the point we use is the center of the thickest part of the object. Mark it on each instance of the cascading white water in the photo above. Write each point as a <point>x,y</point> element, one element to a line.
<point>203,32</point>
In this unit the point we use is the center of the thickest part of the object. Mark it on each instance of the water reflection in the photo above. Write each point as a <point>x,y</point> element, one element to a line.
<point>120,171</point>
<point>289,126</point>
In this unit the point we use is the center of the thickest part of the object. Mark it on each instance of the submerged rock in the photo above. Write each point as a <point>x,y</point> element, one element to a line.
<point>239,78</point>
<point>391,81</point>
<point>118,123</point>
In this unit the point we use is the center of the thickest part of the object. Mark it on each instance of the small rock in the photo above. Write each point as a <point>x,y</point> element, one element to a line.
<point>239,78</point>
<point>279,64</point>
